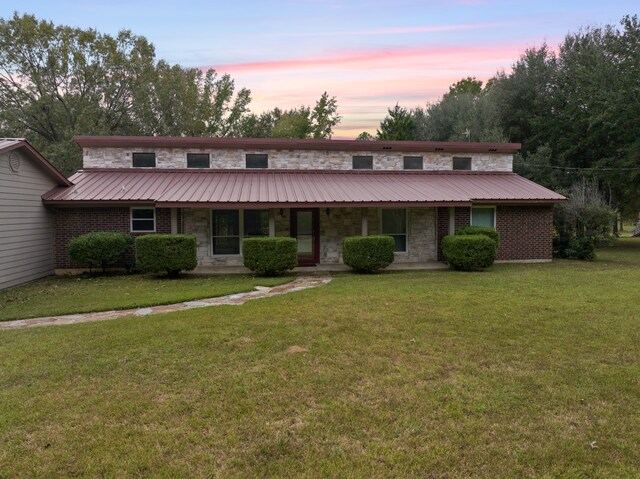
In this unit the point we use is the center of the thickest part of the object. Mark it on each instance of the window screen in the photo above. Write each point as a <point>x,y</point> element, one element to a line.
<point>144,160</point>
<point>461,163</point>
<point>394,224</point>
<point>363,162</point>
<point>226,231</point>
<point>197,160</point>
<point>483,217</point>
<point>143,219</point>
<point>412,162</point>
<point>257,160</point>
<point>256,223</point>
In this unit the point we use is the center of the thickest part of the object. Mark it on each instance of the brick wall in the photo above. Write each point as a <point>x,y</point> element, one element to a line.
<point>526,232</point>
<point>443,229</point>
<point>71,222</point>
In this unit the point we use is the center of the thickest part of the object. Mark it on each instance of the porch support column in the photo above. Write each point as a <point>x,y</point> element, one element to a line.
<point>452,220</point>
<point>174,221</point>
<point>272,222</point>
<point>364,221</point>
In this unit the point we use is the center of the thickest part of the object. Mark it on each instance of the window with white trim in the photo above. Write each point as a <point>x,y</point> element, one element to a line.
<point>228,227</point>
<point>483,216</point>
<point>143,220</point>
<point>394,224</point>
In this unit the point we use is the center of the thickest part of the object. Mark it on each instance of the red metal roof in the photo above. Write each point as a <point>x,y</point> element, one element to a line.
<point>293,144</point>
<point>296,188</point>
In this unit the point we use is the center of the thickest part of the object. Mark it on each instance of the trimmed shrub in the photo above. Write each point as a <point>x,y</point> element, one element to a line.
<point>99,249</point>
<point>270,256</point>
<point>469,252</point>
<point>480,230</point>
<point>166,254</point>
<point>367,254</point>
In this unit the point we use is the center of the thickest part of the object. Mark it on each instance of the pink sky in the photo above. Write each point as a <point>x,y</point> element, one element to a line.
<point>368,81</point>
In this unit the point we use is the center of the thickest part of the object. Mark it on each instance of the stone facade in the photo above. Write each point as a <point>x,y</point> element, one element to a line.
<point>334,227</point>
<point>173,158</point>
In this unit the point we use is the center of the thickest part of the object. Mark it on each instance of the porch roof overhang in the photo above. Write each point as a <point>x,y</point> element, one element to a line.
<point>235,188</point>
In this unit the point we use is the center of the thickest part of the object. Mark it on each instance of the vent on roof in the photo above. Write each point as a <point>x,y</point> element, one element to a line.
<point>386,147</point>
<point>439,149</point>
<point>493,149</point>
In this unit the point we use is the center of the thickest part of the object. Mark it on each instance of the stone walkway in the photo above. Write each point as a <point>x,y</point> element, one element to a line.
<point>232,299</point>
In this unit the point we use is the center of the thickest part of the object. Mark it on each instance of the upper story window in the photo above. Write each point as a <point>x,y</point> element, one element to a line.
<point>257,160</point>
<point>143,220</point>
<point>412,162</point>
<point>144,160</point>
<point>461,163</point>
<point>198,160</point>
<point>363,162</point>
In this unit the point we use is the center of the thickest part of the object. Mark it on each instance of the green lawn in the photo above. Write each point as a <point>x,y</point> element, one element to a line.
<point>520,371</point>
<point>67,295</point>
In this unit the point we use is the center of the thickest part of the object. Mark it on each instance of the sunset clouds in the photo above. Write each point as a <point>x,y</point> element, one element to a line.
<point>370,54</point>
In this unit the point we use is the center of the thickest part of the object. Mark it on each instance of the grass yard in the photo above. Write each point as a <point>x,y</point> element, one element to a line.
<point>73,294</point>
<point>520,371</point>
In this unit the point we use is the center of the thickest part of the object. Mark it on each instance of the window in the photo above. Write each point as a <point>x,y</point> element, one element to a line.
<point>461,163</point>
<point>143,220</point>
<point>197,160</point>
<point>412,162</point>
<point>256,223</point>
<point>363,162</point>
<point>144,160</point>
<point>483,216</point>
<point>394,224</point>
<point>230,226</point>
<point>257,160</point>
<point>226,231</point>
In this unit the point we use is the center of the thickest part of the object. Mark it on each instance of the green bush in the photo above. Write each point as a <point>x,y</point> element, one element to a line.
<point>99,249</point>
<point>270,256</point>
<point>480,230</point>
<point>166,253</point>
<point>469,252</point>
<point>367,254</point>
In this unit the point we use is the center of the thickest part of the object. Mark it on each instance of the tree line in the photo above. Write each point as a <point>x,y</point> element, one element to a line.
<point>576,111</point>
<point>58,81</point>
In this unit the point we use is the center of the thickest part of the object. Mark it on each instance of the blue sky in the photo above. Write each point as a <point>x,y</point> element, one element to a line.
<point>370,55</point>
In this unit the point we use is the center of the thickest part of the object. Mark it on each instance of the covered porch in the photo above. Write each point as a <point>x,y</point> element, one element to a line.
<point>319,231</point>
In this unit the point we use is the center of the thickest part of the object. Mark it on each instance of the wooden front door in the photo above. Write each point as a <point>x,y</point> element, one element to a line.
<point>305,227</point>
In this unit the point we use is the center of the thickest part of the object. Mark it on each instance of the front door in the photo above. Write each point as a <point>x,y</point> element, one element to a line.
<point>306,229</point>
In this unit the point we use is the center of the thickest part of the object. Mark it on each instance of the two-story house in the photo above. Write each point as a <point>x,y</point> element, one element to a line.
<point>319,191</point>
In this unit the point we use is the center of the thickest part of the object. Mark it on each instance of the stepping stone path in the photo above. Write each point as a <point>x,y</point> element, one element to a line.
<point>232,299</point>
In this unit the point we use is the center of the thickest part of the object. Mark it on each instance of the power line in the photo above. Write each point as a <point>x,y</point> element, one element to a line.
<point>579,168</point>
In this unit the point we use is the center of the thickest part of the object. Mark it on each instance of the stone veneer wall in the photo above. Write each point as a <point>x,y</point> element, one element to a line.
<point>340,222</point>
<point>293,159</point>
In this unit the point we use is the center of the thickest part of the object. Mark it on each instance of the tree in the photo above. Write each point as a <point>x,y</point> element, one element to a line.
<point>365,136</point>
<point>57,81</point>
<point>325,117</point>
<point>397,125</point>
<point>301,122</point>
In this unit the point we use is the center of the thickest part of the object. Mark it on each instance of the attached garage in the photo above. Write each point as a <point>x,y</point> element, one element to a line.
<point>26,244</point>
